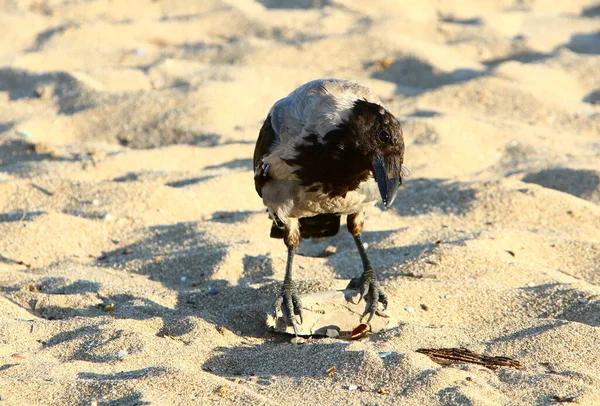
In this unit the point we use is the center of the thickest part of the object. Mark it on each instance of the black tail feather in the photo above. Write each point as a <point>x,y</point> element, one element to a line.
<point>319,226</point>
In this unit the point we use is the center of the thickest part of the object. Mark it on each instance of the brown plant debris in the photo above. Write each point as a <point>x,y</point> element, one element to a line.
<point>449,356</point>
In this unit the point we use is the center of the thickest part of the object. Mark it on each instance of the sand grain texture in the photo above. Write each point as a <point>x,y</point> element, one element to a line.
<point>135,262</point>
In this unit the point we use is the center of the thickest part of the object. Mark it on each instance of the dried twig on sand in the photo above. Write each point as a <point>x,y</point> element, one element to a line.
<point>449,356</point>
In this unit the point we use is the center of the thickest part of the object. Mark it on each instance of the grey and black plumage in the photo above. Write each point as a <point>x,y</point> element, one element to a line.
<point>330,148</point>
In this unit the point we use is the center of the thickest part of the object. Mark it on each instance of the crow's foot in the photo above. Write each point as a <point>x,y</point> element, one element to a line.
<point>290,304</point>
<point>370,289</point>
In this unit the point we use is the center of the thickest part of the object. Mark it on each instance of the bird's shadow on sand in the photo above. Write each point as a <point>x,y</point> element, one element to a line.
<point>188,270</point>
<point>183,257</point>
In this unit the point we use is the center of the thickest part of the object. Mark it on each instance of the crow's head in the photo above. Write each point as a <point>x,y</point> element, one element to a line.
<point>377,137</point>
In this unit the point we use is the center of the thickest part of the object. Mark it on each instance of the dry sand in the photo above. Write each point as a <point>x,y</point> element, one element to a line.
<point>136,264</point>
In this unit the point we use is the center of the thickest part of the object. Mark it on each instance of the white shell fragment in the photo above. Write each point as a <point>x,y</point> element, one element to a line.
<point>332,314</point>
<point>332,333</point>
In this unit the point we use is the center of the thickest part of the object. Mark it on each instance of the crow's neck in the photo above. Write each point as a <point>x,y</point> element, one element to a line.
<point>333,165</point>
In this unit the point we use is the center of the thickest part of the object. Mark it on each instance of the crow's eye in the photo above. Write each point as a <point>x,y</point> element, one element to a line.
<point>384,137</point>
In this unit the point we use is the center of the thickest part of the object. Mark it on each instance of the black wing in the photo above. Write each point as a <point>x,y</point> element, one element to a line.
<point>266,138</point>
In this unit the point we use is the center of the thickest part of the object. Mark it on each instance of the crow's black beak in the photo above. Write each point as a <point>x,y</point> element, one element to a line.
<point>387,187</point>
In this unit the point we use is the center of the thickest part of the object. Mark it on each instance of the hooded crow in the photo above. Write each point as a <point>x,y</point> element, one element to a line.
<point>330,148</point>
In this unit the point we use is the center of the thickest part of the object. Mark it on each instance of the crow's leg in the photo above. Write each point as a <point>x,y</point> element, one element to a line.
<point>289,299</point>
<point>367,283</point>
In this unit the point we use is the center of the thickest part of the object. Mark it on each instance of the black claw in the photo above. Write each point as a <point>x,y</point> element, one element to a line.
<point>371,291</point>
<point>383,299</point>
<point>291,306</point>
<point>297,306</point>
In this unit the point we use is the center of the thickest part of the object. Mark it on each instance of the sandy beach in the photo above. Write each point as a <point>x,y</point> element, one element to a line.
<point>136,266</point>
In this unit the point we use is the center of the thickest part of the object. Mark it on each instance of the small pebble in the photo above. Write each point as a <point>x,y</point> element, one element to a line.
<point>531,284</point>
<point>107,217</point>
<point>366,245</point>
<point>212,291</point>
<point>352,387</point>
<point>384,354</point>
<point>123,354</point>
<point>409,309</point>
<point>184,278</point>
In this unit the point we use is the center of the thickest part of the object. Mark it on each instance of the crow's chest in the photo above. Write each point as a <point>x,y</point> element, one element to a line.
<point>310,203</point>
